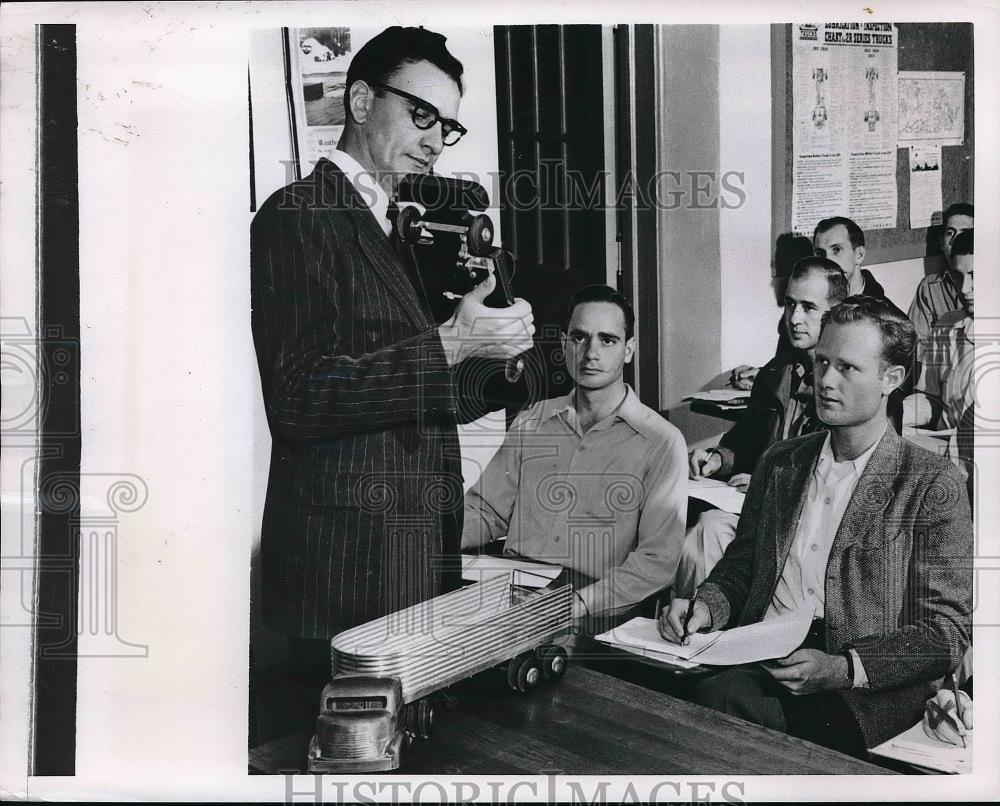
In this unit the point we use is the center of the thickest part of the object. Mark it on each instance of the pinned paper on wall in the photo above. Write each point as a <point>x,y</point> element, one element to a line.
<point>925,186</point>
<point>931,108</point>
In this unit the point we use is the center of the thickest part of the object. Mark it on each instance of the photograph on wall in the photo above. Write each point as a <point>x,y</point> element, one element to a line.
<point>317,64</point>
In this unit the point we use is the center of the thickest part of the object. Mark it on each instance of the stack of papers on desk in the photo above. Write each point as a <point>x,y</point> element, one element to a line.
<point>915,747</point>
<point>717,493</point>
<point>480,567</point>
<point>774,638</point>
<point>725,397</point>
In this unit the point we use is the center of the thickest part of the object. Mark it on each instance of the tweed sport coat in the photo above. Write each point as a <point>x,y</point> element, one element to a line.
<point>898,580</point>
<point>364,491</point>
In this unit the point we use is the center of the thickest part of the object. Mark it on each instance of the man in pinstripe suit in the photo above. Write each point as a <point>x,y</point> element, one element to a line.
<point>865,532</point>
<point>364,491</point>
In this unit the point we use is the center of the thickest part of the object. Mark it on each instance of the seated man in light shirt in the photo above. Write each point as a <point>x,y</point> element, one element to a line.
<point>593,481</point>
<point>858,528</point>
<point>944,396</point>
<point>941,293</point>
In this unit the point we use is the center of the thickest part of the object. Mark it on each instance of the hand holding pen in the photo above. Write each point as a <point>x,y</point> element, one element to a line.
<point>948,715</point>
<point>682,619</point>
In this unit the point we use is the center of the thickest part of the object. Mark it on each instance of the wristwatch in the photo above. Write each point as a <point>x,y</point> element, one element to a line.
<point>850,668</point>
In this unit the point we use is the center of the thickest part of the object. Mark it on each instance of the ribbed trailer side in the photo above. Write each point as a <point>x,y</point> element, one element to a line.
<point>483,626</point>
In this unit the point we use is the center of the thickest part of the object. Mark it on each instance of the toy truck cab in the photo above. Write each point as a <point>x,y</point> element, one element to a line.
<point>359,725</point>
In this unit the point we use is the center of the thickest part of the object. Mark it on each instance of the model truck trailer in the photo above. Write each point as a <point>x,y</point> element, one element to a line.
<point>385,671</point>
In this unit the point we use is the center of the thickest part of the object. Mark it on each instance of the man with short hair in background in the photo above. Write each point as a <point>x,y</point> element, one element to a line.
<point>841,240</point>
<point>944,395</point>
<point>939,294</point>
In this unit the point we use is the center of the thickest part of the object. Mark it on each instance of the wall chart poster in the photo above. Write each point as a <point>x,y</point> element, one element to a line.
<point>317,64</point>
<point>844,123</point>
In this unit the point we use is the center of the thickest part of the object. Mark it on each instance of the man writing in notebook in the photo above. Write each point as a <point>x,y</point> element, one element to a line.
<point>593,481</point>
<point>860,529</point>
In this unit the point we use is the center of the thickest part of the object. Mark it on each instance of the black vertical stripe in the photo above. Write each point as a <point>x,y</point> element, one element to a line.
<point>53,750</point>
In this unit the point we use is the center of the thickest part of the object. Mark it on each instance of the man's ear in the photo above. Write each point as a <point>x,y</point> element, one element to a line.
<point>859,254</point>
<point>629,350</point>
<point>359,100</point>
<point>893,378</point>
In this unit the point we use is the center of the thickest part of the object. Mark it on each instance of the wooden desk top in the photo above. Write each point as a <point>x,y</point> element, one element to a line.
<point>590,723</point>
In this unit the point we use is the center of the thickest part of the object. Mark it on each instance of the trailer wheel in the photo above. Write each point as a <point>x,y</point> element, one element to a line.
<point>554,661</point>
<point>529,675</point>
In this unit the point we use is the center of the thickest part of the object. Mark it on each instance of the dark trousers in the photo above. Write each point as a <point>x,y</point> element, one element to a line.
<point>751,693</point>
<point>310,670</point>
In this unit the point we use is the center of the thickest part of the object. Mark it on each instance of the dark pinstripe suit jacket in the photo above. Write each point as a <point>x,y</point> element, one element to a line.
<point>364,489</point>
<point>899,577</point>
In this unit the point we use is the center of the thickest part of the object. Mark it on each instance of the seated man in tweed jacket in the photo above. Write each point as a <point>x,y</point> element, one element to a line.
<point>868,533</point>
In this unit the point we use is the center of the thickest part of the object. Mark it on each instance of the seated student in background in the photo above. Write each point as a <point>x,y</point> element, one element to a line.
<point>944,395</point>
<point>781,406</point>
<point>858,528</point>
<point>594,481</point>
<point>841,240</point>
<point>940,293</point>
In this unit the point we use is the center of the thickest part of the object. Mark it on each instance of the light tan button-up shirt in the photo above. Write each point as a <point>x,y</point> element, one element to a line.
<point>610,503</point>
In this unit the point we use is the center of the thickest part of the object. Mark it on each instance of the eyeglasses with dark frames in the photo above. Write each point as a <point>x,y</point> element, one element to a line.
<point>425,115</point>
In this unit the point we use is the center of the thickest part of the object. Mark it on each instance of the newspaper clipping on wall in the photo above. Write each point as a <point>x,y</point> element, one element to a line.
<point>844,128</point>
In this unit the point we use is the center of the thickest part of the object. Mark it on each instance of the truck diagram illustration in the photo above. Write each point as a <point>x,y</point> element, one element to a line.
<point>820,75</point>
<point>871,116</point>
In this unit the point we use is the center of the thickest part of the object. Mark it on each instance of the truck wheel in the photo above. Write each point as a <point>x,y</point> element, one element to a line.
<point>529,675</point>
<point>424,719</point>
<point>554,661</point>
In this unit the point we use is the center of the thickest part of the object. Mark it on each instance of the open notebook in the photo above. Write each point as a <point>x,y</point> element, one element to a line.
<point>915,747</point>
<point>774,638</point>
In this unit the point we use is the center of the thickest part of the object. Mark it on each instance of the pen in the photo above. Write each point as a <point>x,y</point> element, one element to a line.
<point>958,705</point>
<point>687,618</point>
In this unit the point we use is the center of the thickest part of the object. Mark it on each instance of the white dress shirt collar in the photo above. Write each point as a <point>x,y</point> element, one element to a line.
<point>827,463</point>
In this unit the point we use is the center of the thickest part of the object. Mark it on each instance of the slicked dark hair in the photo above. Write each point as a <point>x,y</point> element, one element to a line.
<point>958,208</point>
<point>602,293</point>
<point>963,243</point>
<point>837,287</point>
<point>899,339</point>
<point>854,232</point>
<point>383,55</point>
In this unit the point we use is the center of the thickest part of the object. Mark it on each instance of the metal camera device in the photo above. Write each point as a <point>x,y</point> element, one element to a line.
<point>461,234</point>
